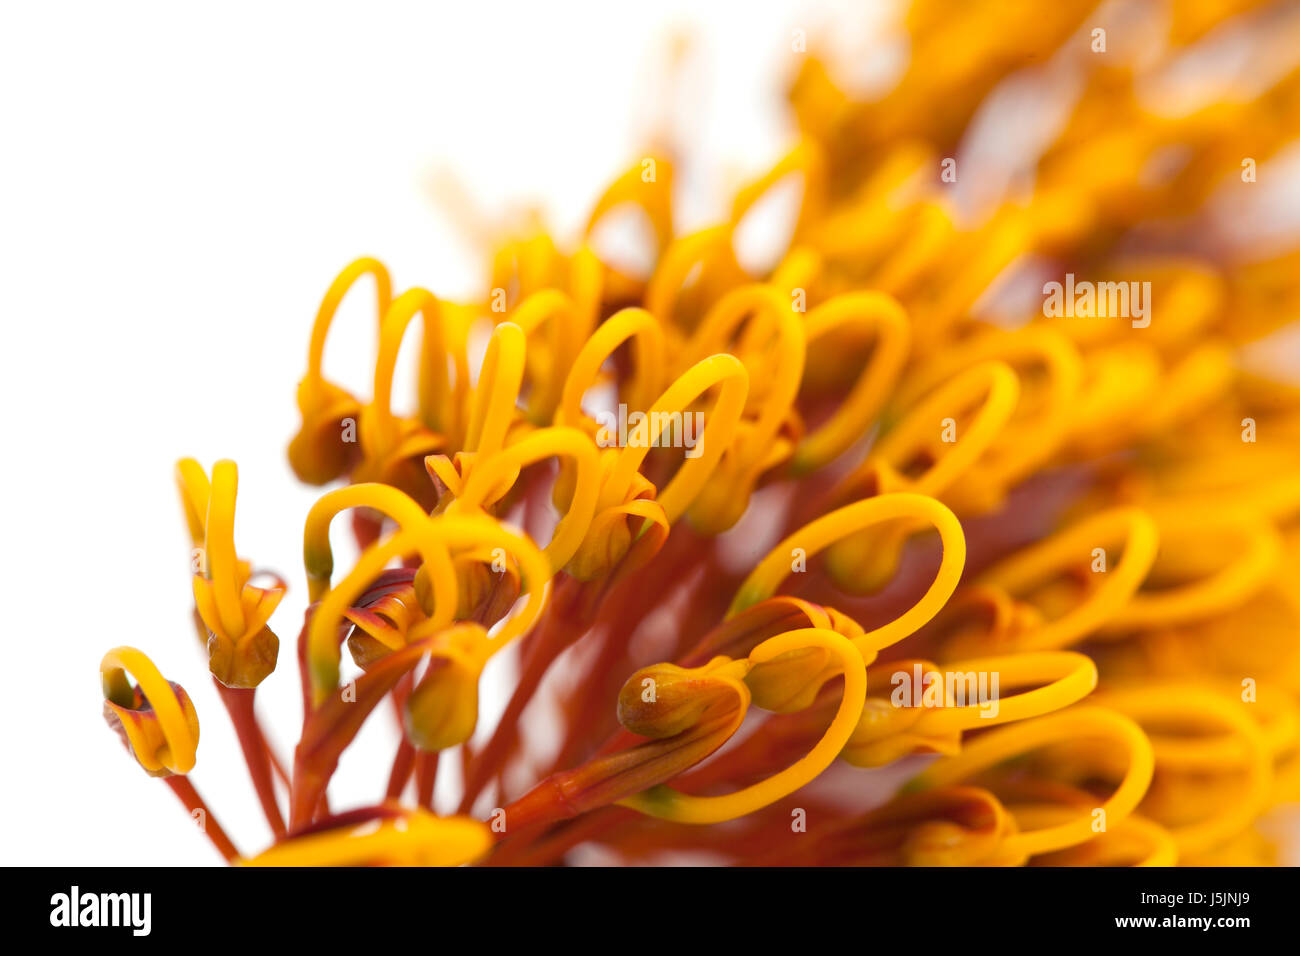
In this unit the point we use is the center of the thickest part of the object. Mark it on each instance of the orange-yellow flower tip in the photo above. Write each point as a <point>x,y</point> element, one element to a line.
<point>886,733</point>
<point>244,659</point>
<point>242,650</point>
<point>623,537</point>
<point>326,446</point>
<point>192,482</point>
<point>664,699</point>
<point>154,717</point>
<point>410,837</point>
<point>792,681</point>
<point>965,826</point>
<point>442,710</point>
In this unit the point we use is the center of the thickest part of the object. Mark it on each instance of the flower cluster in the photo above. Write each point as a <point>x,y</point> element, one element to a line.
<point>941,577</point>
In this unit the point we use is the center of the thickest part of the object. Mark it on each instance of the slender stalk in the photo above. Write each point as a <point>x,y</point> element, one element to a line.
<point>240,705</point>
<point>400,775</point>
<point>426,775</point>
<point>183,789</point>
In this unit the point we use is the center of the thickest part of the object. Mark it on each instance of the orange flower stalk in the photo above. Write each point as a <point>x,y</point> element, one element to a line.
<point>1018,575</point>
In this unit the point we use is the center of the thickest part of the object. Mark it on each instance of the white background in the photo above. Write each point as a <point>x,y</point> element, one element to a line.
<point>177,189</point>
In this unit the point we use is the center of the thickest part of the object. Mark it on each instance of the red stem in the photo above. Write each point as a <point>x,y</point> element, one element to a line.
<point>182,787</point>
<point>400,775</point>
<point>566,620</point>
<point>240,705</point>
<point>426,775</point>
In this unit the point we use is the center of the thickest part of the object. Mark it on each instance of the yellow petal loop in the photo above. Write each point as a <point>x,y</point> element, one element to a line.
<point>1180,711</point>
<point>556,312</point>
<point>334,296</point>
<point>1117,731</point>
<point>322,640</point>
<point>498,390</point>
<point>1083,545</point>
<point>319,453</point>
<point>1066,678</point>
<point>772,340</point>
<point>880,316</point>
<point>993,385</point>
<point>817,536</point>
<point>699,259</point>
<point>219,544</point>
<point>317,556</point>
<point>636,325</point>
<point>435,389</point>
<point>665,415</point>
<point>804,161</point>
<point>647,185</point>
<point>467,532</point>
<point>1253,545</point>
<point>1049,370</point>
<point>176,722</point>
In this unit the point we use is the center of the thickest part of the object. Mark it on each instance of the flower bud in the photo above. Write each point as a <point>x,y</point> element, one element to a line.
<point>885,734</point>
<point>245,663</point>
<point>742,632</point>
<point>691,713</point>
<point>382,624</point>
<point>155,719</point>
<point>616,539</point>
<point>442,710</point>
<point>321,451</point>
<point>791,681</point>
<point>664,699</point>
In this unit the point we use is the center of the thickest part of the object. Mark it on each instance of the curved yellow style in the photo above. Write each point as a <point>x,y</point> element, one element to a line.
<point>1016,739</point>
<point>1187,707</point>
<point>1082,545</point>
<point>676,497</point>
<point>878,315</point>
<point>176,720</point>
<point>1066,677</point>
<point>668,804</point>
<point>432,540</point>
<point>493,410</point>
<point>764,580</point>
<point>318,557</point>
<point>382,430</point>
<point>558,314</point>
<point>636,325</point>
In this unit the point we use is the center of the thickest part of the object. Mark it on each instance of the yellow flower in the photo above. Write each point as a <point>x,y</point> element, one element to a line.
<point>155,717</point>
<point>242,650</point>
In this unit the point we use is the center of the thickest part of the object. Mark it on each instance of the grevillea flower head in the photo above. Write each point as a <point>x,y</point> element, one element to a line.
<point>738,540</point>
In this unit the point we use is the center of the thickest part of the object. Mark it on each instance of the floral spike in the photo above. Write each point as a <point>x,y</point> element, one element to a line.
<point>731,535</point>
